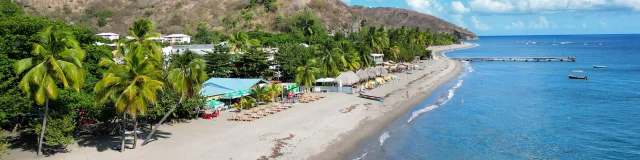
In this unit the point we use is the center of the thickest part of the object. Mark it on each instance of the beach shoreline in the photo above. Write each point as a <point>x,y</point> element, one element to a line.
<point>328,128</point>
<point>367,128</point>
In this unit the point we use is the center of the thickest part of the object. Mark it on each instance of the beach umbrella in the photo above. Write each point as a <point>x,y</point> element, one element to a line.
<point>244,92</point>
<point>214,104</point>
<point>231,95</point>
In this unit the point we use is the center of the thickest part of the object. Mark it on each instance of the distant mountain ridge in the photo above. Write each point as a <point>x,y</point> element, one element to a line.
<point>183,16</point>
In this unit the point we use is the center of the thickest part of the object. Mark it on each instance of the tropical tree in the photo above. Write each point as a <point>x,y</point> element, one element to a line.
<point>348,53</point>
<point>245,103</point>
<point>395,50</point>
<point>141,30</point>
<point>329,62</point>
<point>130,83</point>
<point>306,73</point>
<point>274,90</point>
<point>240,41</point>
<point>57,59</point>
<point>376,39</point>
<point>186,73</point>
<point>261,94</point>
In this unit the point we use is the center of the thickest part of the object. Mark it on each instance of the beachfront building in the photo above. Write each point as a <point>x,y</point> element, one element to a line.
<point>229,88</point>
<point>378,58</point>
<point>179,38</point>
<point>109,36</point>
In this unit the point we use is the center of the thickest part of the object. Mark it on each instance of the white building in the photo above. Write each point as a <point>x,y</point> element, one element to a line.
<point>200,49</point>
<point>378,58</point>
<point>182,38</point>
<point>109,36</point>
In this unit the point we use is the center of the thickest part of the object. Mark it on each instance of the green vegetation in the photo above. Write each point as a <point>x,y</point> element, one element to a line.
<point>57,59</point>
<point>49,69</point>
<point>8,9</point>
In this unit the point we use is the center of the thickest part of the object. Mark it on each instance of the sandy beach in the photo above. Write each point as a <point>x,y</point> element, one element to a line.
<point>329,128</point>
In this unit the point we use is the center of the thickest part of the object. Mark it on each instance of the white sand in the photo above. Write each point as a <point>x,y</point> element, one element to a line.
<point>320,130</point>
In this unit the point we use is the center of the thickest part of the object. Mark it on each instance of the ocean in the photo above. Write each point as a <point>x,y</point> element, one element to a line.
<point>526,110</point>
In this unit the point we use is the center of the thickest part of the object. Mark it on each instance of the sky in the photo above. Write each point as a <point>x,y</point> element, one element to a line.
<point>527,17</point>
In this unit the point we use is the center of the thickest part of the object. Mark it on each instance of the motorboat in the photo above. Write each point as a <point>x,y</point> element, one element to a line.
<point>578,77</point>
<point>594,66</point>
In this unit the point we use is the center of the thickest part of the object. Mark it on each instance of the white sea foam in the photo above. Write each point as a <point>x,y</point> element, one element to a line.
<point>361,157</point>
<point>441,101</point>
<point>423,110</point>
<point>384,137</point>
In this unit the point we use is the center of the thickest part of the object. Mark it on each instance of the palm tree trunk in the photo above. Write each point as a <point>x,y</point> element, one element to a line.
<point>44,124</point>
<point>146,140</point>
<point>123,128</point>
<point>135,132</point>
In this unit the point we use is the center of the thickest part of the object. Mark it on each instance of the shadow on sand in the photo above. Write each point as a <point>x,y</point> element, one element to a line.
<point>29,143</point>
<point>103,143</point>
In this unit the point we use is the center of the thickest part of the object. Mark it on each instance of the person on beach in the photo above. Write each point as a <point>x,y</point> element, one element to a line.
<point>407,94</point>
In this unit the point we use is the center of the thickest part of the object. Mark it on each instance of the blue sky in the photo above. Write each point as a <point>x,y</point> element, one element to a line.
<point>527,17</point>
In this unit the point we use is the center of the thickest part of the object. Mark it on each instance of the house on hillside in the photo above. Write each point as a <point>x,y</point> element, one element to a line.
<point>181,38</point>
<point>200,49</point>
<point>110,36</point>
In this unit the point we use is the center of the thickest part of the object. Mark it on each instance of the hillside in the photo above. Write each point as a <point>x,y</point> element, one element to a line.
<point>183,16</point>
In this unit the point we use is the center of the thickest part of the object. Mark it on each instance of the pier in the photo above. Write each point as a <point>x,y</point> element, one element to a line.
<point>522,59</point>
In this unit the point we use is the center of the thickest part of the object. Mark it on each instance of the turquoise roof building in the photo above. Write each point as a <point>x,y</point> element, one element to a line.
<point>219,86</point>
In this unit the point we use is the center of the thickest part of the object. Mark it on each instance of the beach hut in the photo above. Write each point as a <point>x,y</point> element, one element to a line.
<point>348,78</point>
<point>362,74</point>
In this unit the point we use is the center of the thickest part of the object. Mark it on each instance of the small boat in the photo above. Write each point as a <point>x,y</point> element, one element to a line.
<point>578,77</point>
<point>600,66</point>
<point>578,71</point>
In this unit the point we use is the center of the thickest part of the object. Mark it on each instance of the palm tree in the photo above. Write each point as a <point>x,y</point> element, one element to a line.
<point>130,85</point>
<point>186,73</point>
<point>329,62</point>
<point>240,41</point>
<point>57,58</point>
<point>348,53</point>
<point>395,50</point>
<point>274,90</point>
<point>141,30</point>
<point>376,39</point>
<point>306,73</point>
<point>260,94</point>
<point>245,102</point>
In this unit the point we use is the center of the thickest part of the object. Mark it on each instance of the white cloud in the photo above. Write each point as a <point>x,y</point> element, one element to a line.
<point>540,24</point>
<point>432,7</point>
<point>457,19</point>
<point>603,24</point>
<point>515,25</point>
<point>479,25</point>
<point>458,8</point>
<point>584,25</point>
<point>491,6</point>
<point>550,6</point>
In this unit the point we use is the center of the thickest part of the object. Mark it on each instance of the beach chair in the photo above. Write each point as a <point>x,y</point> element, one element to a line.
<point>247,118</point>
<point>231,118</point>
<point>256,116</point>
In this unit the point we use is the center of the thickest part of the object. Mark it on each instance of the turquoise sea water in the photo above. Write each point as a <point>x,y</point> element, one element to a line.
<point>527,110</point>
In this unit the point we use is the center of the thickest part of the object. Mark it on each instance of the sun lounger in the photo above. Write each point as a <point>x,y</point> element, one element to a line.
<point>248,118</point>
